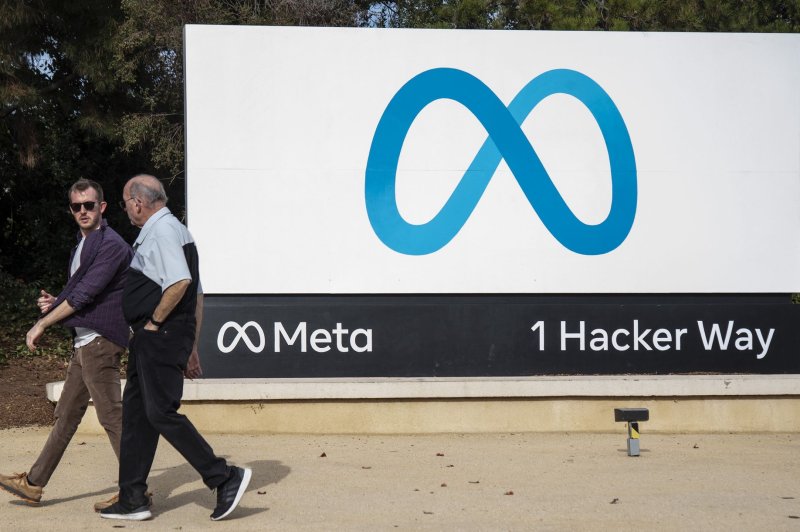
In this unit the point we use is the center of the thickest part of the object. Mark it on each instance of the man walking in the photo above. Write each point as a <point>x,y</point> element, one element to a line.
<point>90,304</point>
<point>163,304</point>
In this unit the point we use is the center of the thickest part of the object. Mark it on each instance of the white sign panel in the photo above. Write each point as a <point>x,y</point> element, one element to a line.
<point>333,160</point>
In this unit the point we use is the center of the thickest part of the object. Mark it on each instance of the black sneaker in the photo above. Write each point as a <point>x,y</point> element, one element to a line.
<point>230,492</point>
<point>120,511</point>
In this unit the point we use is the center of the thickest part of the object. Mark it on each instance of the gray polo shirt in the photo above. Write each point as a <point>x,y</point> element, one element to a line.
<point>164,253</point>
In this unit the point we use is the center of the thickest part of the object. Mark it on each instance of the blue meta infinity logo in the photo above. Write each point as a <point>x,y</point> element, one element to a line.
<point>506,141</point>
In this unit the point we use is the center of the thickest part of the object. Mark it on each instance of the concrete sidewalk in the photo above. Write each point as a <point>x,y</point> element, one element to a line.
<point>521,481</point>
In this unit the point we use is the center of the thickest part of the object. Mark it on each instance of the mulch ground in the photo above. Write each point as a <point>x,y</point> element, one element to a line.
<point>23,396</point>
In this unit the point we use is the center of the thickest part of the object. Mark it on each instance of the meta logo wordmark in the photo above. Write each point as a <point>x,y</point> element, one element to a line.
<point>301,338</point>
<point>507,142</point>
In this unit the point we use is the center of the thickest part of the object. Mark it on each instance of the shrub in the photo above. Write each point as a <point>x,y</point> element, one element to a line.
<point>19,312</point>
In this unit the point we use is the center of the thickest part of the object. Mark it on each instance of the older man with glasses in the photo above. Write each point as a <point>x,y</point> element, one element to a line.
<point>163,303</point>
<point>91,306</point>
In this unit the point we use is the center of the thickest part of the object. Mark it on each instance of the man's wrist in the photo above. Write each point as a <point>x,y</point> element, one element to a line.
<point>155,322</point>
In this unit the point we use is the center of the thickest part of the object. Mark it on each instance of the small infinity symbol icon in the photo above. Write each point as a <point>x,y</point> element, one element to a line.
<point>506,141</point>
<point>241,335</point>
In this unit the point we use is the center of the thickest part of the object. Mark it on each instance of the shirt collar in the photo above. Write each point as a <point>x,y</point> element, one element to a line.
<point>163,211</point>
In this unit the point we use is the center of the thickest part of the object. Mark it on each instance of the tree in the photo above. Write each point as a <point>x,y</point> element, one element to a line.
<point>58,103</point>
<point>615,15</point>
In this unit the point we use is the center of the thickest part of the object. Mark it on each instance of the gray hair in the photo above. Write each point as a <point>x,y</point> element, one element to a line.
<point>150,191</point>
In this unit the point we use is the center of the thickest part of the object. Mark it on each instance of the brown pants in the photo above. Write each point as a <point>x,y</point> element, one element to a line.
<point>92,372</point>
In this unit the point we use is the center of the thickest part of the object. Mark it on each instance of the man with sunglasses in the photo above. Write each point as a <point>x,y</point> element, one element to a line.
<point>163,303</point>
<point>91,306</point>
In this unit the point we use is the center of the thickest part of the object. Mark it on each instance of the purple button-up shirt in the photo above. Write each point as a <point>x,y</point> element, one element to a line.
<point>95,289</point>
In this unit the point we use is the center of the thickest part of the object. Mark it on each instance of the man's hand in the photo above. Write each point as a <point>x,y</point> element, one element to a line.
<point>193,369</point>
<point>33,335</point>
<point>150,326</point>
<point>45,301</point>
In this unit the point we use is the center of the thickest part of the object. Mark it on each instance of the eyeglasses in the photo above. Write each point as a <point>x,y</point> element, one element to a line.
<point>88,205</point>
<point>123,203</point>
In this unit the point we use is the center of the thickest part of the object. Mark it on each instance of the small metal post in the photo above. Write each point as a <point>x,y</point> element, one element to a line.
<point>633,438</point>
<point>632,416</point>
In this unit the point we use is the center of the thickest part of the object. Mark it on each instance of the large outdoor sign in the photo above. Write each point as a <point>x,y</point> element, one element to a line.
<point>424,189</point>
<point>330,160</point>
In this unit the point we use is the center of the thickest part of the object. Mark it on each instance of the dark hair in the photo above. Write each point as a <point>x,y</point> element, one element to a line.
<point>84,184</point>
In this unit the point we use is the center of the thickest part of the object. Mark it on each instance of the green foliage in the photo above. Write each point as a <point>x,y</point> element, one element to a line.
<point>19,311</point>
<point>613,15</point>
<point>58,101</point>
<point>17,304</point>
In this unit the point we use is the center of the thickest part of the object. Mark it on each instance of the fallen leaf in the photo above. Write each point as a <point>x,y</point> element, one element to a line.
<point>474,481</point>
<point>323,455</point>
<point>614,501</point>
<point>794,516</point>
<point>366,467</point>
<point>509,492</point>
<point>444,484</point>
<point>427,513</point>
<point>451,465</point>
<point>439,454</point>
<point>82,443</point>
<point>262,492</point>
<point>695,446</point>
<point>787,498</point>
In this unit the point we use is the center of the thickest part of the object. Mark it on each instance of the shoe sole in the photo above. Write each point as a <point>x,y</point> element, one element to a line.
<point>135,516</point>
<point>242,488</point>
<point>100,506</point>
<point>19,495</point>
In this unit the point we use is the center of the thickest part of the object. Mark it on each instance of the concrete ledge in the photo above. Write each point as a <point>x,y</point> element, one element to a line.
<point>677,403</point>
<point>428,416</point>
<point>466,388</point>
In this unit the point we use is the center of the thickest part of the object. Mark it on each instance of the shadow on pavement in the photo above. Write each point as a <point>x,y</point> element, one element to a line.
<point>167,481</point>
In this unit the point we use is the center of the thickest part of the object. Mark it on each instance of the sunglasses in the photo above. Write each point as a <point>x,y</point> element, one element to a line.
<point>88,205</point>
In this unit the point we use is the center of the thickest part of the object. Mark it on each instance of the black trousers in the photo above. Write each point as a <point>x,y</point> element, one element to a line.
<point>150,406</point>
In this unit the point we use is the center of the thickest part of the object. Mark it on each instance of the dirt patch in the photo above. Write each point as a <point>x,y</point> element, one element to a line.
<point>23,395</point>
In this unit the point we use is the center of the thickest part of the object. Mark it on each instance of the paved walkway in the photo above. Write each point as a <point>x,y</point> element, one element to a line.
<point>444,482</point>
